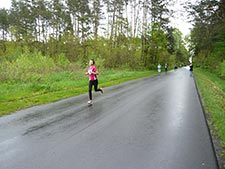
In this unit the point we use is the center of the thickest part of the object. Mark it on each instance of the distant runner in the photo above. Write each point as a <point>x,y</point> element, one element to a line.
<point>166,67</point>
<point>93,80</point>
<point>159,68</point>
<point>191,69</point>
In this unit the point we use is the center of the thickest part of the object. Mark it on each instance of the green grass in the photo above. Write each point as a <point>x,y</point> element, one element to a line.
<point>212,91</point>
<point>19,95</point>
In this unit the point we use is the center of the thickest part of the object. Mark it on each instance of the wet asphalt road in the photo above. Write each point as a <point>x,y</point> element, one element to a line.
<point>151,123</point>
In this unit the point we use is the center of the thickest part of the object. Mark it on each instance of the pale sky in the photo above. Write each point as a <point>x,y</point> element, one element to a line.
<point>5,4</point>
<point>179,20</point>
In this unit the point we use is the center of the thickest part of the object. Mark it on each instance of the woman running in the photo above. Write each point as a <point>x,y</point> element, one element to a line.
<point>93,80</point>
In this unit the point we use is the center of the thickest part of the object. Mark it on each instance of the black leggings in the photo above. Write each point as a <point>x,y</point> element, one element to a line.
<point>91,83</point>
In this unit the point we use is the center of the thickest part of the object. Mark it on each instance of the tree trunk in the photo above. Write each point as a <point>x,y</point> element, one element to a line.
<point>222,2</point>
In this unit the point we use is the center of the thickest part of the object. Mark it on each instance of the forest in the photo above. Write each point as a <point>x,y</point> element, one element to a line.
<point>207,39</point>
<point>42,36</point>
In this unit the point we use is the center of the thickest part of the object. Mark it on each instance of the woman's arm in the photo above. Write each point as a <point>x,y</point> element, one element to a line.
<point>95,73</point>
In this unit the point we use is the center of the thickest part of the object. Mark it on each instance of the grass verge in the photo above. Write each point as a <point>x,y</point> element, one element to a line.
<point>19,95</point>
<point>212,92</point>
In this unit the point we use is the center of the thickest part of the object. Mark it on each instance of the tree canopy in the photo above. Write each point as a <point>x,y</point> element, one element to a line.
<point>208,34</point>
<point>132,33</point>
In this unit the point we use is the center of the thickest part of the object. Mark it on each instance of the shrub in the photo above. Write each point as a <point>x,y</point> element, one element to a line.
<point>27,67</point>
<point>221,70</point>
<point>62,62</point>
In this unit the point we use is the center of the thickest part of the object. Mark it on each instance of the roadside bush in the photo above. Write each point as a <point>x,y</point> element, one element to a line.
<point>221,70</point>
<point>26,67</point>
<point>62,62</point>
<point>33,67</point>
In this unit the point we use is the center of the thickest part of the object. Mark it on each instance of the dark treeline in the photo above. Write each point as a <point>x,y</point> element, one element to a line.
<point>130,33</point>
<point>208,35</point>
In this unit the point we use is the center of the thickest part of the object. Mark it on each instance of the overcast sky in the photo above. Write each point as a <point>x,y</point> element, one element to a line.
<point>5,4</point>
<point>179,20</point>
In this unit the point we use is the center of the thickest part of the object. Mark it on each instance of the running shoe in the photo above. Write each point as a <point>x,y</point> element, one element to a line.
<point>90,102</point>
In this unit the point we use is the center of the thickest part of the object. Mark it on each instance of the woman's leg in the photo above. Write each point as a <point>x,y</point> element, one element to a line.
<point>90,89</point>
<point>96,87</point>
